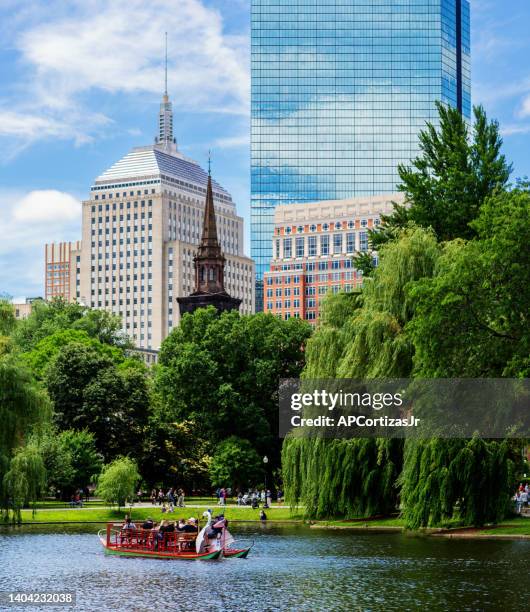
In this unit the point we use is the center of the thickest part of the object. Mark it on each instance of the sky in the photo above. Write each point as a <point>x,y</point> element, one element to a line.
<point>81,82</point>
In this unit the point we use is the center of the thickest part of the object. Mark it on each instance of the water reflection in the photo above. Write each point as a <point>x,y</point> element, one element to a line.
<point>289,568</point>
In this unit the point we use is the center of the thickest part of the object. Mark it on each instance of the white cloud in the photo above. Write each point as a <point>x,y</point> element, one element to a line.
<point>515,129</point>
<point>117,48</point>
<point>27,221</point>
<point>46,206</point>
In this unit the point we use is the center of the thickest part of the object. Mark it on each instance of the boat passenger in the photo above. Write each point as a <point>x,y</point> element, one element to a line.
<point>190,526</point>
<point>128,524</point>
<point>148,524</point>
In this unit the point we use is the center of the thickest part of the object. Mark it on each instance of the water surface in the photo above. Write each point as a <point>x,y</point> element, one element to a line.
<point>289,568</point>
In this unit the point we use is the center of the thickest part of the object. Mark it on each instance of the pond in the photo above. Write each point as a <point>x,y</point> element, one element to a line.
<point>289,568</point>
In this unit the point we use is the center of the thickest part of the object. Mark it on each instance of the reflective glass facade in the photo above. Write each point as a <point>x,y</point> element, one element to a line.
<point>340,90</point>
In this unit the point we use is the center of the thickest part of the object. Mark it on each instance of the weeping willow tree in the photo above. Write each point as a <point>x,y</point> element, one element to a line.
<point>360,336</point>
<point>23,408</point>
<point>25,480</point>
<point>471,321</point>
<point>446,479</point>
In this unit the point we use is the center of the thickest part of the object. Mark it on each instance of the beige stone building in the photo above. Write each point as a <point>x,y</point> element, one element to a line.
<point>140,231</point>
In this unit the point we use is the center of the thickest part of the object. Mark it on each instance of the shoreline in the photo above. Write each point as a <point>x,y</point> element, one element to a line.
<point>464,533</point>
<point>359,526</point>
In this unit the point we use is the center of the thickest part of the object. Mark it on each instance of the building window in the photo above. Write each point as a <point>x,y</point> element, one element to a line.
<point>277,249</point>
<point>312,246</point>
<point>299,247</point>
<point>287,248</point>
<point>324,245</point>
<point>350,243</point>
<point>337,243</point>
<point>363,241</point>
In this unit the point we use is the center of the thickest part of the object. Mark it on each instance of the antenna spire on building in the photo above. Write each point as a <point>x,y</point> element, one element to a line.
<point>165,72</point>
<point>209,162</point>
<point>165,116</point>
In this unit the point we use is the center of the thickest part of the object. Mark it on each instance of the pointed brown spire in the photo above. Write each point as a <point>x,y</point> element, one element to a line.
<point>209,243</point>
<point>209,267</point>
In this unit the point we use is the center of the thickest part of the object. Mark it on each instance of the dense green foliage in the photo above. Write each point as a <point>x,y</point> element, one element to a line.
<point>218,378</point>
<point>360,336</point>
<point>70,458</point>
<point>46,318</point>
<point>473,316</point>
<point>451,178</point>
<point>449,300</point>
<point>236,462</point>
<point>223,373</point>
<point>23,406</point>
<point>117,481</point>
<point>89,391</point>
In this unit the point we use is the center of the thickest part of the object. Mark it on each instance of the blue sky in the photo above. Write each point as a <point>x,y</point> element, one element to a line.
<point>81,82</point>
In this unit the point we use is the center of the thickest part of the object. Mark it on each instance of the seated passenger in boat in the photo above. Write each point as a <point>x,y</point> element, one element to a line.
<point>128,524</point>
<point>148,524</point>
<point>181,524</point>
<point>190,526</point>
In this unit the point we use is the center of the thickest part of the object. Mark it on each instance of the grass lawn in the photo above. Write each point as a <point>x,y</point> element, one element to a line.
<point>66,515</point>
<point>362,524</point>
<point>516,526</point>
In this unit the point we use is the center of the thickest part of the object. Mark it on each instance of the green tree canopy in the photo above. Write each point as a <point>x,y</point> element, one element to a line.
<point>26,478</point>
<point>90,392</point>
<point>223,373</point>
<point>451,178</point>
<point>47,348</point>
<point>236,464</point>
<point>117,481</point>
<point>46,318</point>
<point>473,315</point>
<point>360,336</point>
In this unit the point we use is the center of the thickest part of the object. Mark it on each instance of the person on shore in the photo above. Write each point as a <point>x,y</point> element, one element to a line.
<point>518,498</point>
<point>279,496</point>
<point>160,497</point>
<point>153,497</point>
<point>180,498</point>
<point>222,497</point>
<point>262,515</point>
<point>268,497</point>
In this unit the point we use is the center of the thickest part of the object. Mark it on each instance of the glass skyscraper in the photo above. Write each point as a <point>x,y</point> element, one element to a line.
<point>340,90</point>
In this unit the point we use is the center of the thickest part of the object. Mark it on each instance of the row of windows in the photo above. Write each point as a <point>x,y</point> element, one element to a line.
<point>310,246</point>
<point>308,303</point>
<point>121,206</point>
<point>123,195</point>
<point>337,225</point>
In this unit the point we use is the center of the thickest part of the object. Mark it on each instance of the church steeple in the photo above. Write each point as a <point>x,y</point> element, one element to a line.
<point>209,261</point>
<point>209,266</point>
<point>209,243</point>
<point>165,116</point>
